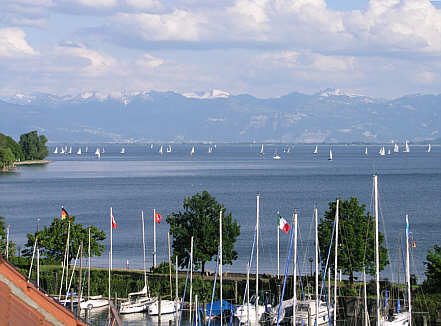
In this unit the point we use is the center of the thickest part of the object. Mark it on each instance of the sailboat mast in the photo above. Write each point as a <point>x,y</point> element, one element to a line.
<point>169,266</point>
<point>191,276</point>
<point>143,248</point>
<point>220,264</point>
<point>408,271</point>
<point>88,271</point>
<point>154,238</point>
<point>257,255</point>
<point>316,267</point>
<point>278,244</point>
<point>366,315</point>
<point>111,217</point>
<point>294,223</point>
<point>336,261</point>
<point>377,253</point>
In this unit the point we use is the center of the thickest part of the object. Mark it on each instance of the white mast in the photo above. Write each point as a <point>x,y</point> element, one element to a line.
<point>220,264</point>
<point>111,242</point>
<point>278,244</point>
<point>294,222</point>
<point>257,255</point>
<point>7,242</point>
<point>377,253</point>
<point>88,272</point>
<point>336,262</point>
<point>366,314</point>
<point>154,238</point>
<point>408,271</point>
<point>316,267</point>
<point>143,249</point>
<point>191,275</point>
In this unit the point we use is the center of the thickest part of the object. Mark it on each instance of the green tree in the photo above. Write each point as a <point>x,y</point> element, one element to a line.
<point>200,219</point>
<point>433,269</point>
<point>356,238</point>
<point>6,157</point>
<point>34,146</point>
<point>6,141</point>
<point>12,247</point>
<point>52,240</point>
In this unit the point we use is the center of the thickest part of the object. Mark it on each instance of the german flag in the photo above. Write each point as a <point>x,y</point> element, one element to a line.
<point>64,213</point>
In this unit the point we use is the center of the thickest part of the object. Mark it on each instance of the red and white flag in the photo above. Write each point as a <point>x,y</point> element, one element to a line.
<point>112,219</point>
<point>157,217</point>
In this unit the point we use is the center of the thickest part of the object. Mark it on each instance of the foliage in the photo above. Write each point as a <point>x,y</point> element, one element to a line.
<point>6,157</point>
<point>8,142</point>
<point>12,247</point>
<point>163,268</point>
<point>433,270</point>
<point>356,238</point>
<point>34,146</point>
<point>52,240</point>
<point>200,219</point>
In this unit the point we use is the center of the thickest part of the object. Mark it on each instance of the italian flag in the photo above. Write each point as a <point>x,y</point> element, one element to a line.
<point>283,224</point>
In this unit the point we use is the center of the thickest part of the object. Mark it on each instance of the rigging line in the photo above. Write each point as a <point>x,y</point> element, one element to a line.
<point>385,240</point>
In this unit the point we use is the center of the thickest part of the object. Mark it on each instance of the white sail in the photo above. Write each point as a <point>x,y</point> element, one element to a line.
<point>382,151</point>
<point>429,148</point>
<point>169,149</point>
<point>210,149</point>
<point>62,150</point>
<point>70,150</point>
<point>102,151</point>
<point>330,155</point>
<point>365,151</point>
<point>87,149</point>
<point>396,149</point>
<point>79,151</point>
<point>161,150</point>
<point>122,151</point>
<point>315,150</point>
<point>97,152</point>
<point>406,147</point>
<point>56,150</point>
<point>388,152</point>
<point>261,150</point>
<point>192,151</point>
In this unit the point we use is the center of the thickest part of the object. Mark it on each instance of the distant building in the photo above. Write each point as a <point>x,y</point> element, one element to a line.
<point>21,303</point>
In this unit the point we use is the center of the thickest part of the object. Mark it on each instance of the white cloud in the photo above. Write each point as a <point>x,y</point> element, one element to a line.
<point>13,43</point>
<point>148,61</point>
<point>144,4</point>
<point>97,3</point>
<point>96,63</point>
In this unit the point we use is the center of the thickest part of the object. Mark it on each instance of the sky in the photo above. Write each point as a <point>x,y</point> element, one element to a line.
<point>266,48</point>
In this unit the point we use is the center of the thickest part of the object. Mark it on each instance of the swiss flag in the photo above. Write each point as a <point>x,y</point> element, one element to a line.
<point>113,221</point>
<point>157,217</point>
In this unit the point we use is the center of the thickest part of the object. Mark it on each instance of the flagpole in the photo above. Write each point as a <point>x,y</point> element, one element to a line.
<point>295,269</point>
<point>257,256</point>
<point>154,238</point>
<point>278,244</point>
<point>7,242</point>
<point>220,265</point>
<point>336,262</point>
<point>111,242</point>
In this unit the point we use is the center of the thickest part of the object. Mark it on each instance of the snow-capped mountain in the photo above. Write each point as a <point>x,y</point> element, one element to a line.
<point>332,115</point>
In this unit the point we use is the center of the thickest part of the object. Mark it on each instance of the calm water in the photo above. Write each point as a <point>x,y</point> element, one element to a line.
<point>141,179</point>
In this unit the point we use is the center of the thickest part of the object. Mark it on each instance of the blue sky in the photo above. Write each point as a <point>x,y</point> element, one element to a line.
<point>381,48</point>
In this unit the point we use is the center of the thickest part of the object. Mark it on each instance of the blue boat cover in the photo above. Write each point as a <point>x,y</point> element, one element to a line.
<point>215,311</point>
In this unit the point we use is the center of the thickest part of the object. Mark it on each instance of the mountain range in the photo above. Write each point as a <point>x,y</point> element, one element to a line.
<point>149,116</point>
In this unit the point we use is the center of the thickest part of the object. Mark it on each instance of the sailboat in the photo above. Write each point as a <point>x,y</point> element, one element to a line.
<point>315,150</point>
<point>382,151</point>
<point>276,156</point>
<point>56,150</point>
<point>87,149</point>
<point>103,150</point>
<point>138,301</point>
<point>406,147</point>
<point>169,149</point>
<point>79,151</point>
<point>261,150</point>
<point>210,149</point>
<point>396,149</point>
<point>429,148</point>
<point>330,155</point>
<point>192,151</point>
<point>92,301</point>
<point>388,152</point>
<point>366,151</point>
<point>97,153</point>
<point>62,150</point>
<point>398,318</point>
<point>160,150</point>
<point>70,150</point>
<point>122,151</point>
